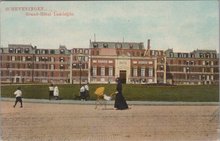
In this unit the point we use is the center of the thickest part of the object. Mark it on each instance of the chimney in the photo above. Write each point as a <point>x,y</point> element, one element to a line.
<point>148,44</point>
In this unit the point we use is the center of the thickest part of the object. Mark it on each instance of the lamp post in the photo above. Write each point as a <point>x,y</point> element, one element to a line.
<point>80,59</point>
<point>32,74</point>
<point>80,73</point>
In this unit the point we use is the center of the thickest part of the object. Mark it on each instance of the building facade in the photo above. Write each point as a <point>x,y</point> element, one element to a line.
<point>197,67</point>
<point>102,62</point>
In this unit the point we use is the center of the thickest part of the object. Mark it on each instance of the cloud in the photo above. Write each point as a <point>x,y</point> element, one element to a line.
<point>167,23</point>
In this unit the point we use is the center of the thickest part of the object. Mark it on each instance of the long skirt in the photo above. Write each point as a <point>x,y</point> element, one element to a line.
<point>120,102</point>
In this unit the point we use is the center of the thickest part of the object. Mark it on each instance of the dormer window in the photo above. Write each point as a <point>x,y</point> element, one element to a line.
<point>95,45</point>
<point>62,51</point>
<point>105,45</point>
<point>46,51</point>
<point>52,51</point>
<point>19,50</point>
<point>26,50</point>
<point>11,50</point>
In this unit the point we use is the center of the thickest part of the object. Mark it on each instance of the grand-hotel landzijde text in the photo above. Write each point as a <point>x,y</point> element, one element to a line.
<point>102,62</point>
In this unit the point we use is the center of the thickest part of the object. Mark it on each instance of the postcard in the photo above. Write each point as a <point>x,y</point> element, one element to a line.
<point>109,70</point>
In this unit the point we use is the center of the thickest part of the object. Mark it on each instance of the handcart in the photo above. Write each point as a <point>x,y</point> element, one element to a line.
<point>102,98</point>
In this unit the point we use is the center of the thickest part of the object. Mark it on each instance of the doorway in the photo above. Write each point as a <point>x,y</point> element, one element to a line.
<point>123,76</point>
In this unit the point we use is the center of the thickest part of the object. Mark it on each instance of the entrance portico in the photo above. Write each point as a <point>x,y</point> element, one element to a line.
<point>123,68</point>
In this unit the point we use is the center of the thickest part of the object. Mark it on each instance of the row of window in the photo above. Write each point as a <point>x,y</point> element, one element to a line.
<point>193,77</point>
<point>37,59</point>
<point>192,55</point>
<point>29,73</point>
<point>44,51</point>
<point>116,45</point>
<point>135,72</point>
<point>199,62</point>
<point>191,69</point>
<point>36,66</point>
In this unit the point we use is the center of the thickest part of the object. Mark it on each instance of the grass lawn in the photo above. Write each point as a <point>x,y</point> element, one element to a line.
<point>205,93</point>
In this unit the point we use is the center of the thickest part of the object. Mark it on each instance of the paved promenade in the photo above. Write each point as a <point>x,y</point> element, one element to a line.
<point>70,120</point>
<point>89,102</point>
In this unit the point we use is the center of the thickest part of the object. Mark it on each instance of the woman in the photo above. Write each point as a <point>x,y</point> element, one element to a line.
<point>56,93</point>
<point>120,102</point>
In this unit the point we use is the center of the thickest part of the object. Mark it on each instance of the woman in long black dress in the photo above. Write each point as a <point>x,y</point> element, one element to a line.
<point>120,102</point>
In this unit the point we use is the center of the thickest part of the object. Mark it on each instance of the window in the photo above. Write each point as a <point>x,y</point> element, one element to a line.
<point>52,59</point>
<point>94,71</point>
<point>95,45</point>
<point>105,45</point>
<point>19,50</point>
<point>135,72</point>
<point>86,51</point>
<point>110,71</point>
<point>62,51</point>
<point>184,69</point>
<point>26,50</point>
<point>61,59</point>
<point>203,62</point>
<point>171,54</point>
<point>52,67</point>
<point>13,58</point>
<point>52,51</point>
<point>143,72</point>
<point>201,55</point>
<point>150,72</point>
<point>102,71</point>
<point>1,50</point>
<point>11,50</point>
<point>62,67</point>
<point>86,58</point>
<point>37,59</point>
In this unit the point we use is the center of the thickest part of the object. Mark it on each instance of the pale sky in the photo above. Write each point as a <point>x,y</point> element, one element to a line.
<point>181,25</point>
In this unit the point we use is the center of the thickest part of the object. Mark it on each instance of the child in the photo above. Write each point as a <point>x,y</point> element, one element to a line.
<point>18,95</point>
<point>56,93</point>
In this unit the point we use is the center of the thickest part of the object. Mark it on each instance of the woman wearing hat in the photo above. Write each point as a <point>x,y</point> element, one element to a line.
<point>120,102</point>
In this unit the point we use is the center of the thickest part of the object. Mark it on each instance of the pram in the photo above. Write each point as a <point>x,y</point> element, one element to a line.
<point>102,98</point>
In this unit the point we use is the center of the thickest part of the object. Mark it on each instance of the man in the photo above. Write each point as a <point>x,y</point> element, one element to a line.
<point>51,89</point>
<point>18,95</point>
<point>87,91</point>
<point>82,93</point>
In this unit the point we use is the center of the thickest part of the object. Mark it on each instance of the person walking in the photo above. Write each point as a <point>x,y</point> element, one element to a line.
<point>120,102</point>
<point>56,93</point>
<point>51,89</point>
<point>82,93</point>
<point>18,96</point>
<point>87,91</point>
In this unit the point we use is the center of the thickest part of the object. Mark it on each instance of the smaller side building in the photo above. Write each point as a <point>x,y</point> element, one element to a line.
<point>197,67</point>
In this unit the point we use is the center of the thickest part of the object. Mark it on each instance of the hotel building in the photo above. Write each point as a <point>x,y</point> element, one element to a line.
<point>102,62</point>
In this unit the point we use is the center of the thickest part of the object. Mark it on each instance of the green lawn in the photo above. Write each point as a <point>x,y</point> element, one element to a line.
<point>207,93</point>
